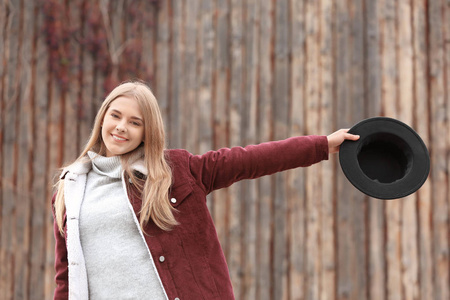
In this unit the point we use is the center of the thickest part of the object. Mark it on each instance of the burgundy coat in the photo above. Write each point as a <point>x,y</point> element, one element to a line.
<point>189,259</point>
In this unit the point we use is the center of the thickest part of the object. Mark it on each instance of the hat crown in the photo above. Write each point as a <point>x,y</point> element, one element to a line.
<point>385,157</point>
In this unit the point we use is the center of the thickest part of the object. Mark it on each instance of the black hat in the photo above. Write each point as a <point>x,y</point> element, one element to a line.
<point>389,160</point>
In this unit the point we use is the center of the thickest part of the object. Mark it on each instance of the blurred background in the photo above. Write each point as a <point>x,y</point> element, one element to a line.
<point>227,73</point>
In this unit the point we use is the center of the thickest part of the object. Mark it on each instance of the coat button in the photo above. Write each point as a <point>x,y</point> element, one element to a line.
<point>162,258</point>
<point>173,200</point>
<point>176,298</point>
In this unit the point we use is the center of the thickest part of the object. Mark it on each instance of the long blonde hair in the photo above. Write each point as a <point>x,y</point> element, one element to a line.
<point>154,190</point>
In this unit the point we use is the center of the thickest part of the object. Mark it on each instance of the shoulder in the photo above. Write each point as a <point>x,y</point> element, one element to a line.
<point>178,157</point>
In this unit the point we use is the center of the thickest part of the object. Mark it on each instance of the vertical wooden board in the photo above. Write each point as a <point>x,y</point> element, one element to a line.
<point>176,101</point>
<point>8,230</point>
<point>345,191</point>
<point>42,257</point>
<point>131,66</point>
<point>390,103</point>
<point>162,75</point>
<point>422,125</point>
<point>99,90</point>
<point>220,108</point>
<point>88,102</point>
<point>54,141</point>
<point>376,221</point>
<point>249,193</point>
<point>388,11</point>
<point>439,139</point>
<point>23,201</point>
<point>73,53</point>
<point>235,247</point>
<point>359,207</point>
<point>150,13</point>
<point>281,107</point>
<point>206,84</point>
<point>206,53</point>
<point>327,220</point>
<point>191,123</point>
<point>409,257</point>
<point>313,173</point>
<point>351,204</point>
<point>373,59</point>
<point>265,133</point>
<point>115,18</point>
<point>296,178</point>
<point>3,71</point>
<point>446,27</point>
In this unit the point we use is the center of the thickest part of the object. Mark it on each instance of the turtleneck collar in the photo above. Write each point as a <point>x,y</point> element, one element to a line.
<point>106,166</point>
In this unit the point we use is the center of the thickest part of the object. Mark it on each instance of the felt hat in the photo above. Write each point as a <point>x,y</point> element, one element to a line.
<point>389,160</point>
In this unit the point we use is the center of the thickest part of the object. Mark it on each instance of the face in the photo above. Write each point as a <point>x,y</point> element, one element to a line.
<point>123,126</point>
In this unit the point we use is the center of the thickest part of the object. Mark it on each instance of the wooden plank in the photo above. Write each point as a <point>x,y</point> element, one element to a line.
<point>351,206</point>
<point>249,114</point>
<point>264,133</point>
<point>23,201</point>
<point>87,101</point>
<point>148,42</point>
<point>376,223</point>
<point>219,110</point>
<point>422,126</point>
<point>446,46</point>
<point>281,107</point>
<point>114,16</point>
<point>72,51</point>
<point>296,178</point>
<point>313,174</point>
<point>206,84</point>
<point>3,71</point>
<point>206,53</point>
<point>235,246</point>
<point>191,119</point>
<point>345,191</point>
<point>9,103</point>
<point>41,258</point>
<point>409,257</point>
<point>176,103</point>
<point>327,221</point>
<point>440,141</point>
<point>390,96</point>
<point>162,78</point>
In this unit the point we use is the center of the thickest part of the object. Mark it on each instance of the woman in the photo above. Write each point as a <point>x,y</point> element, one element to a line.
<point>131,220</point>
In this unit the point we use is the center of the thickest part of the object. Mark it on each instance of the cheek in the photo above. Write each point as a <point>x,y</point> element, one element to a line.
<point>141,134</point>
<point>103,131</point>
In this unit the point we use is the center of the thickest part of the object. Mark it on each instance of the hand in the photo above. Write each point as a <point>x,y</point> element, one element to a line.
<point>337,138</point>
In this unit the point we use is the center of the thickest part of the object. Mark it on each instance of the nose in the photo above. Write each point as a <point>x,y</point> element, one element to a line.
<point>121,127</point>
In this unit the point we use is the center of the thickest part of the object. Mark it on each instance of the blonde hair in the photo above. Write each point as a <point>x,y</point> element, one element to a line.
<point>155,188</point>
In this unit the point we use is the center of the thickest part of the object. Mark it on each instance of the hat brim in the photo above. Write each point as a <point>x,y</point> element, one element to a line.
<point>418,165</point>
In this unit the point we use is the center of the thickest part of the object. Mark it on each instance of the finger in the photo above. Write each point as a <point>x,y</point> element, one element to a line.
<point>352,137</point>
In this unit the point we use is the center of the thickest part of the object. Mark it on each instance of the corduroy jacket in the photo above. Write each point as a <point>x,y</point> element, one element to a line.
<point>189,259</point>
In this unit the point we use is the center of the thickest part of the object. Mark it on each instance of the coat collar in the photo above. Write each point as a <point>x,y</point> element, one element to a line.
<point>84,165</point>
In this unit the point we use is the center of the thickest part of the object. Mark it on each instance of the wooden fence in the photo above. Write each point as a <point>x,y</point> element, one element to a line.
<point>232,72</point>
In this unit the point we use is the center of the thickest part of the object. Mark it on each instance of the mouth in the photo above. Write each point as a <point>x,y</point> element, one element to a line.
<point>119,138</point>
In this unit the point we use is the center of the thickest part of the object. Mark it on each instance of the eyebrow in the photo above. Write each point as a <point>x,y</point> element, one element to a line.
<point>133,117</point>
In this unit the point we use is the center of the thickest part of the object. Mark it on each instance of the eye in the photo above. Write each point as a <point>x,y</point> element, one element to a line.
<point>114,115</point>
<point>135,123</point>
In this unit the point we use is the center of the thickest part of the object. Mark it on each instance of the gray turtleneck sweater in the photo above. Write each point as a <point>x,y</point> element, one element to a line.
<point>118,262</point>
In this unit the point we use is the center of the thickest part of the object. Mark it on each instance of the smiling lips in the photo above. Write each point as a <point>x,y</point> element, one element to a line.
<point>118,138</point>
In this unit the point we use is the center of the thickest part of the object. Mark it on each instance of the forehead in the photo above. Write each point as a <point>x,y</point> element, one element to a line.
<point>127,106</point>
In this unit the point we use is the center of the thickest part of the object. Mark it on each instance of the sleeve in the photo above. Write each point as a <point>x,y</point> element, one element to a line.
<point>218,169</point>
<point>61,265</point>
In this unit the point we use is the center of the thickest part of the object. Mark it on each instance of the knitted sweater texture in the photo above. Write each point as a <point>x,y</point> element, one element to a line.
<point>118,262</point>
